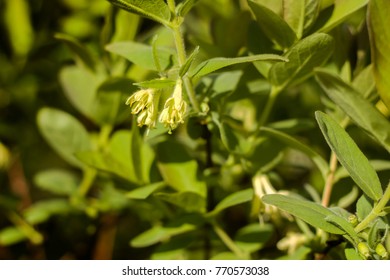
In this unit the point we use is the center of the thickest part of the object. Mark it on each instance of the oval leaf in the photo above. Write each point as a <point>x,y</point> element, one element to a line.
<point>350,156</point>
<point>310,212</point>
<point>65,134</point>
<point>232,200</point>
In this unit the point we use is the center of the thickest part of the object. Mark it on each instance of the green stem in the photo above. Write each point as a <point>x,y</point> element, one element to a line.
<point>268,106</point>
<point>34,236</point>
<point>181,54</point>
<point>228,241</point>
<point>375,212</point>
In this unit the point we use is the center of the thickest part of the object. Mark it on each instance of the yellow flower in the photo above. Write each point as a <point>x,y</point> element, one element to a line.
<point>174,109</point>
<point>144,103</point>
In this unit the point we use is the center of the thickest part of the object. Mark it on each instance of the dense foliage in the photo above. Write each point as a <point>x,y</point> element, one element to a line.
<point>194,129</point>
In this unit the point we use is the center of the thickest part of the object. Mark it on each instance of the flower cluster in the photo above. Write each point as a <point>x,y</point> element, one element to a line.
<point>144,103</point>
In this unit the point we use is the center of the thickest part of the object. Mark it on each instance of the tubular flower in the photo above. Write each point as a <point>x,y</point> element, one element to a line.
<point>174,109</point>
<point>144,103</point>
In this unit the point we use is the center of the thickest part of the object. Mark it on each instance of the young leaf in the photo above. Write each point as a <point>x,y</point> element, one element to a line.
<point>41,211</point>
<point>65,134</point>
<point>356,107</point>
<point>342,10</point>
<point>155,10</point>
<point>350,156</point>
<point>217,63</point>
<point>156,83</point>
<point>184,7</point>
<point>187,65</point>
<point>232,200</point>
<point>273,25</point>
<point>78,49</point>
<point>310,212</point>
<point>351,254</point>
<point>378,23</point>
<point>300,14</point>
<point>303,57</point>
<point>11,235</point>
<point>142,55</point>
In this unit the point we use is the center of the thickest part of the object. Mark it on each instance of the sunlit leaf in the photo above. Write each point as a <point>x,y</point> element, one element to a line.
<point>350,156</point>
<point>378,22</point>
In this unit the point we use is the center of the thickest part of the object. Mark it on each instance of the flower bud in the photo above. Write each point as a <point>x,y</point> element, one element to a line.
<point>353,220</point>
<point>381,251</point>
<point>364,250</point>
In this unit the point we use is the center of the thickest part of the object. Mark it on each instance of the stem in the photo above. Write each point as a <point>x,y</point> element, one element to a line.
<point>181,54</point>
<point>268,106</point>
<point>329,180</point>
<point>34,236</point>
<point>375,212</point>
<point>228,241</point>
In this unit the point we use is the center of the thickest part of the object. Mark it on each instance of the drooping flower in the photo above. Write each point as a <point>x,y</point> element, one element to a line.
<point>174,108</point>
<point>145,103</point>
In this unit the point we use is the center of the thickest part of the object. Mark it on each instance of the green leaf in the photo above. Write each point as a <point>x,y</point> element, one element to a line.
<point>350,156</point>
<point>188,201</point>
<point>184,7</point>
<point>81,52</point>
<point>57,181</point>
<point>363,207</point>
<point>145,191</point>
<point>300,14</point>
<point>344,225</point>
<point>303,57</point>
<point>226,256</point>
<point>356,107</point>
<point>41,211</point>
<point>373,235</point>
<point>157,83</point>
<point>161,233</point>
<point>142,55</point>
<point>155,10</point>
<point>11,235</point>
<point>342,10</point>
<point>80,86</point>
<point>65,134</point>
<point>234,199</point>
<point>351,254</point>
<point>290,141</point>
<point>217,63</point>
<point>273,25</point>
<point>378,23</point>
<point>179,169</point>
<point>253,237</point>
<point>186,66</point>
<point>310,212</point>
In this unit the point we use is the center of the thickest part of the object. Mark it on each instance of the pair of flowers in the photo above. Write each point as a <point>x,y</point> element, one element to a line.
<point>145,104</point>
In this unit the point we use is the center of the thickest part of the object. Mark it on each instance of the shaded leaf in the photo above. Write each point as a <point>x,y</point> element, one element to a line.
<point>356,107</point>
<point>273,25</point>
<point>155,10</point>
<point>11,235</point>
<point>236,198</point>
<point>81,52</point>
<point>303,57</point>
<point>65,134</point>
<point>217,63</point>
<point>350,156</point>
<point>188,201</point>
<point>179,169</point>
<point>342,10</point>
<point>253,237</point>
<point>290,141</point>
<point>378,23</point>
<point>41,211</point>
<point>344,225</point>
<point>310,212</point>
<point>142,55</point>
<point>57,181</point>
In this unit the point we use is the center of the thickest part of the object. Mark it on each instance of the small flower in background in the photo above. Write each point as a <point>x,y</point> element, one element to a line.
<point>144,103</point>
<point>174,109</point>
